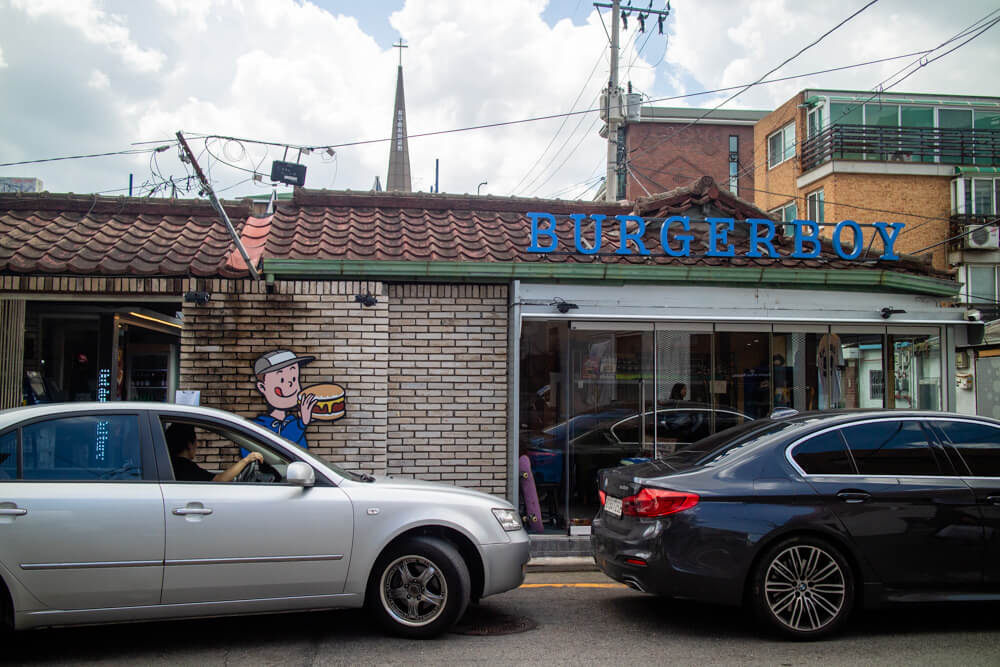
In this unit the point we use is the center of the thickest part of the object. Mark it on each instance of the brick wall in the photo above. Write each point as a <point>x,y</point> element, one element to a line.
<point>677,157</point>
<point>448,384</point>
<point>776,187</point>
<point>222,339</point>
<point>424,370</point>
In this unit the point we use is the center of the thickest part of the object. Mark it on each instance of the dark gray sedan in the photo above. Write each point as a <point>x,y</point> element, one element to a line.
<point>802,517</point>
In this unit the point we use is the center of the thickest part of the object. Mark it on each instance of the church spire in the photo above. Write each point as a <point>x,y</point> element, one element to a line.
<point>399,151</point>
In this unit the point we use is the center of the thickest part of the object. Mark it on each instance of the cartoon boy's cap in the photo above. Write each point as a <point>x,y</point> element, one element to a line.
<point>277,360</point>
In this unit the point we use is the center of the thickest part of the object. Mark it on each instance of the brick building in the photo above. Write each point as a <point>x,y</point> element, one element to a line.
<point>829,156</point>
<point>469,332</point>
<point>666,148</point>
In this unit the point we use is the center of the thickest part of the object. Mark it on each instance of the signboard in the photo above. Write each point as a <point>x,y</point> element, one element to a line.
<point>15,184</point>
<point>675,236</point>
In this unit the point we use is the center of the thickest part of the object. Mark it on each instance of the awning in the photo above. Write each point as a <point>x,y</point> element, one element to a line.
<point>959,171</point>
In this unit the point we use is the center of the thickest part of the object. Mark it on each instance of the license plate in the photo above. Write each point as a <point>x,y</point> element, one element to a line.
<point>613,506</point>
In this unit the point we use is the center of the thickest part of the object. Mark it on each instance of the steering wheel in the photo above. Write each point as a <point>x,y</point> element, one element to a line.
<point>259,471</point>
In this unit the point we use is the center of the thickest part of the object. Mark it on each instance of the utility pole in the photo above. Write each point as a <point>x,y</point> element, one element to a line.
<point>613,110</point>
<point>219,208</point>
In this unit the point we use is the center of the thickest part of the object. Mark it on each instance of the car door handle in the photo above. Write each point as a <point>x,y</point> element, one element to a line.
<point>16,511</point>
<point>181,511</point>
<point>993,500</point>
<point>854,496</point>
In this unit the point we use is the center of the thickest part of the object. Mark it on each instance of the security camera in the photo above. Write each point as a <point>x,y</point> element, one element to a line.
<point>973,315</point>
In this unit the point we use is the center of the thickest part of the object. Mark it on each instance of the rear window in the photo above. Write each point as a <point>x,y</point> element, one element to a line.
<point>737,439</point>
<point>83,448</point>
<point>891,448</point>
<point>8,455</point>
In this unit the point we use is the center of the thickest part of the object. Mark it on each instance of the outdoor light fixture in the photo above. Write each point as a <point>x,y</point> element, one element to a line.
<point>888,312</point>
<point>366,300</point>
<point>200,298</point>
<point>562,305</point>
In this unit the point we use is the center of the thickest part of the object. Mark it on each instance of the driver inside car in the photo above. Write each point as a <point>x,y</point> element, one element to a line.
<point>183,445</point>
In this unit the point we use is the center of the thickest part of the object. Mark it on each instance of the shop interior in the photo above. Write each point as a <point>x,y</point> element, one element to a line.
<point>596,395</point>
<point>100,352</point>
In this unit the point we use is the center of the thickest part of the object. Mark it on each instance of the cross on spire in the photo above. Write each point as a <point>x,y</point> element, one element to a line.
<point>400,45</point>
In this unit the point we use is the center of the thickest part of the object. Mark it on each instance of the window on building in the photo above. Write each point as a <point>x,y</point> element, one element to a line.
<point>781,145</point>
<point>786,213</point>
<point>981,283</point>
<point>814,204</point>
<point>815,122</point>
<point>975,196</point>
<point>734,164</point>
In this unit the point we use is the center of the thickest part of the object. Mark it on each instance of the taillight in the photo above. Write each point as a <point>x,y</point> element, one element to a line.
<point>602,496</point>
<point>658,502</point>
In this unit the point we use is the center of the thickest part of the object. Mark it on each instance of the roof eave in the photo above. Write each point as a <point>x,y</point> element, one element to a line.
<point>496,272</point>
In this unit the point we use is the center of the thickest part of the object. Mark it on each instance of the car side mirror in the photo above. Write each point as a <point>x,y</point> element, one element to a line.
<point>300,474</point>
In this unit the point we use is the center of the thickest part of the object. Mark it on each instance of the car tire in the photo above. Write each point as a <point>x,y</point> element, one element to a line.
<point>803,588</point>
<point>6,611</point>
<point>419,587</point>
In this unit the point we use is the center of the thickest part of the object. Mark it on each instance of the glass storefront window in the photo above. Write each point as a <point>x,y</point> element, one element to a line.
<point>683,391</point>
<point>795,370</point>
<point>852,375</point>
<point>596,395</point>
<point>612,393</point>
<point>743,372</point>
<point>916,371</point>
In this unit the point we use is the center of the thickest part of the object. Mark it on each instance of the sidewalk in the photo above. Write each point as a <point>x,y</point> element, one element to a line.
<point>560,553</point>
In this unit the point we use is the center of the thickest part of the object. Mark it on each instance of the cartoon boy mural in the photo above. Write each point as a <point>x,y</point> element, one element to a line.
<point>278,380</point>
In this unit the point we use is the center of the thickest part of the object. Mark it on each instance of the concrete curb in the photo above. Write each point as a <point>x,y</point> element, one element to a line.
<point>561,564</point>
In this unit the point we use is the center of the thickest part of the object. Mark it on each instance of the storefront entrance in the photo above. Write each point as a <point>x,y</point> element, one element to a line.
<point>600,394</point>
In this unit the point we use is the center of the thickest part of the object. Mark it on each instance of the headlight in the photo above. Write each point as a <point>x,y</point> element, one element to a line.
<point>508,518</point>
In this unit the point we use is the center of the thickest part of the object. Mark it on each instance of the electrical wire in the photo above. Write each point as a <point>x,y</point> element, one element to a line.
<point>133,151</point>
<point>759,80</point>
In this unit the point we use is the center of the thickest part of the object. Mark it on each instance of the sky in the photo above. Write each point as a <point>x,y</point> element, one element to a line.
<point>81,77</point>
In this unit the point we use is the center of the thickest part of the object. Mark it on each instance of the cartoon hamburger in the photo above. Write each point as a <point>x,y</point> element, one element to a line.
<point>329,401</point>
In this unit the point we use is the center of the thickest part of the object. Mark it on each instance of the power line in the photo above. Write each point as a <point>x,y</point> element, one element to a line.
<point>759,80</point>
<point>133,151</point>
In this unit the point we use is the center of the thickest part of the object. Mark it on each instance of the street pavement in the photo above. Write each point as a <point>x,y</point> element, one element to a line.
<point>580,618</point>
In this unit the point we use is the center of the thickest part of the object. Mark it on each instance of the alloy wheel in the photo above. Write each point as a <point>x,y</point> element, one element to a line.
<point>413,590</point>
<point>805,588</point>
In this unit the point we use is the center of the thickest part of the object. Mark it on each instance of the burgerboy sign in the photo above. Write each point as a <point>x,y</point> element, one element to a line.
<point>675,236</point>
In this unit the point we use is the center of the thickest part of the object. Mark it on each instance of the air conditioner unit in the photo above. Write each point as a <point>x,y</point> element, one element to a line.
<point>978,237</point>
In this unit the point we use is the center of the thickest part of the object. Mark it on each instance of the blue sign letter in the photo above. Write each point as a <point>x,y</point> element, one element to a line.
<point>811,238</point>
<point>889,238</point>
<point>858,239</point>
<point>719,232</point>
<point>624,236</point>
<point>756,241</point>
<point>536,232</point>
<point>578,237</point>
<point>685,239</point>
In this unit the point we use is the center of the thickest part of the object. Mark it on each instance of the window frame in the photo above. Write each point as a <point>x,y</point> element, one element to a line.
<point>786,154</point>
<point>819,198</point>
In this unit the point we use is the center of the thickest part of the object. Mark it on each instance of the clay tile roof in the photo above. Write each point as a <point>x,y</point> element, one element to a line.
<point>104,236</point>
<point>58,234</point>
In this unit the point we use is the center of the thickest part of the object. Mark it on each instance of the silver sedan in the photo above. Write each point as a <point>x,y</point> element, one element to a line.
<point>105,517</point>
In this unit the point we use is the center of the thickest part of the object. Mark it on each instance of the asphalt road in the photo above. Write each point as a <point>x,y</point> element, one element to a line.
<point>580,618</point>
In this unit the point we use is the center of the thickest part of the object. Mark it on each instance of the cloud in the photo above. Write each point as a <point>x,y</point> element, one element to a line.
<point>118,72</point>
<point>97,26</point>
<point>99,80</point>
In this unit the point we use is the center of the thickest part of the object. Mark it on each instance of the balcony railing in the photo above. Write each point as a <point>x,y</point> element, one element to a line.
<point>902,144</point>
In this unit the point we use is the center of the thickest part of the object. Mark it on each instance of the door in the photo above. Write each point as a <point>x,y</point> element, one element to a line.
<point>912,519</point>
<point>81,523</point>
<point>251,540</point>
<point>978,446</point>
